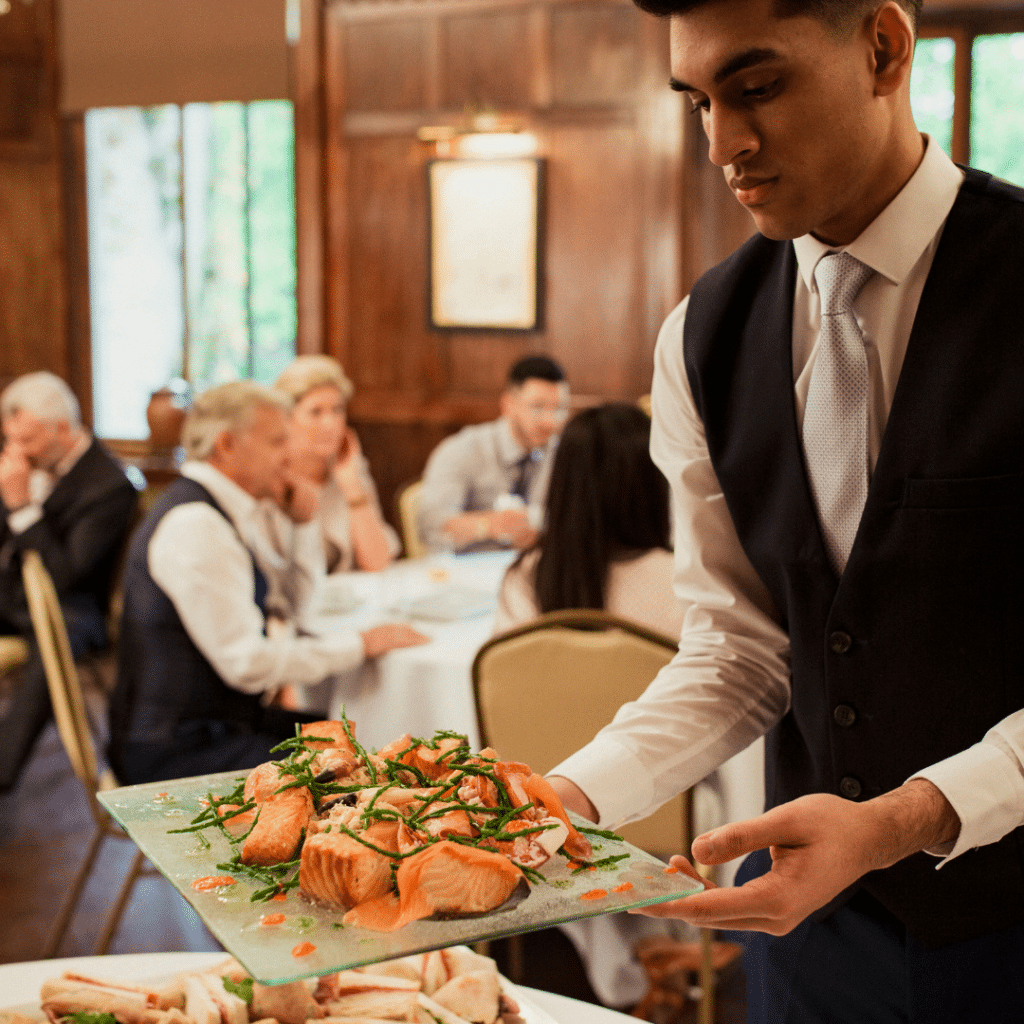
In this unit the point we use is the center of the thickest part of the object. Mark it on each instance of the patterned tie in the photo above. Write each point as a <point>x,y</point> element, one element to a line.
<point>835,428</point>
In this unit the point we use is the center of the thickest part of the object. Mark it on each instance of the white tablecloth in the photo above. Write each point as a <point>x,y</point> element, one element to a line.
<point>415,689</point>
<point>20,983</point>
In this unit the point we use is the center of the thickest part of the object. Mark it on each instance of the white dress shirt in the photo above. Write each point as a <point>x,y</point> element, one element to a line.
<point>730,681</point>
<point>202,562</point>
<point>471,470</point>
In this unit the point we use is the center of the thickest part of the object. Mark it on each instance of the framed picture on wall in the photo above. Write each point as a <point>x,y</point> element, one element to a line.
<point>485,243</point>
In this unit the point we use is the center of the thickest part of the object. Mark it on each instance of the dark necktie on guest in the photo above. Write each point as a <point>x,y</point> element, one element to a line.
<point>522,479</point>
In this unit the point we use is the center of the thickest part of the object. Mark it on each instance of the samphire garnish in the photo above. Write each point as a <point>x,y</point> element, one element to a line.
<point>491,825</point>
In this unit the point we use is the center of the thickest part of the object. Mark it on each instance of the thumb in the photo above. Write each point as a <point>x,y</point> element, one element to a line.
<point>731,841</point>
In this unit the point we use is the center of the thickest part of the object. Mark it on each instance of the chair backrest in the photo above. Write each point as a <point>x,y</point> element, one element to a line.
<point>61,675</point>
<point>408,509</point>
<point>13,653</point>
<point>544,690</point>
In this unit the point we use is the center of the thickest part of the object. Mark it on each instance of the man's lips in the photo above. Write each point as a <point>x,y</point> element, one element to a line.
<point>751,191</point>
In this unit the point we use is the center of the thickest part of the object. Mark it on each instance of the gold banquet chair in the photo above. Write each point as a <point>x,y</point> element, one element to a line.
<point>69,712</point>
<point>544,689</point>
<point>408,509</point>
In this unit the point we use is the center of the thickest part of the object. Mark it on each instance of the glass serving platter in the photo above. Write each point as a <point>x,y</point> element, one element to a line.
<point>280,952</point>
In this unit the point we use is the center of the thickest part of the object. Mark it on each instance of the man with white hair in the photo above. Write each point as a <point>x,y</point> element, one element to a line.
<point>197,666</point>
<point>64,496</point>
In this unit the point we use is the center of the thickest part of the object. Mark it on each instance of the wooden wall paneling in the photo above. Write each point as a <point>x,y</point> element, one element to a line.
<point>306,74</point>
<point>488,64</point>
<point>386,64</point>
<point>594,278</point>
<point>590,80</point>
<point>33,293</point>
<point>597,53</point>
<point>390,349</point>
<point>76,260</point>
<point>335,186</point>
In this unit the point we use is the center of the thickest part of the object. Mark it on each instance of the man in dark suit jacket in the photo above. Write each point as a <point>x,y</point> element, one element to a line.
<point>63,495</point>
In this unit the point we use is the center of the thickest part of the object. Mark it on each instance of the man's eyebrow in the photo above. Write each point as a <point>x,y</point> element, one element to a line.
<point>742,61</point>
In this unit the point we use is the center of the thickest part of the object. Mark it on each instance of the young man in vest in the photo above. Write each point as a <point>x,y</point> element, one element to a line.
<point>862,609</point>
<point>61,494</point>
<point>196,662</point>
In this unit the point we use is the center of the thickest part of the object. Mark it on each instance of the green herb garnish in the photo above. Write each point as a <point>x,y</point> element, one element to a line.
<point>242,989</point>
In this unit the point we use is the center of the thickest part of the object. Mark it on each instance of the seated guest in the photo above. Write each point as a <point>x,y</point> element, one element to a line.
<point>196,665</point>
<point>605,542</point>
<point>484,487</point>
<point>64,496</point>
<point>325,451</point>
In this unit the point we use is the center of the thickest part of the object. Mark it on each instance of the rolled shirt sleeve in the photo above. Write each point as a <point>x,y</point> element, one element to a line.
<point>198,560</point>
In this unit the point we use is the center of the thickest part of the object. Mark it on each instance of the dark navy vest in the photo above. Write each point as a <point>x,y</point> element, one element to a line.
<point>163,678</point>
<point>917,650</point>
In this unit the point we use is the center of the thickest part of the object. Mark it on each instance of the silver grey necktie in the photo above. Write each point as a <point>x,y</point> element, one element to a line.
<point>835,427</point>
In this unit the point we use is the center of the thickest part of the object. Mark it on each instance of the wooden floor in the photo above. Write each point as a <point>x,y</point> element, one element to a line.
<point>44,830</point>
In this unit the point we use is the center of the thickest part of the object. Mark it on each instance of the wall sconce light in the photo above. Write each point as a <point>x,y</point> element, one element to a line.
<point>485,136</point>
<point>5,5</point>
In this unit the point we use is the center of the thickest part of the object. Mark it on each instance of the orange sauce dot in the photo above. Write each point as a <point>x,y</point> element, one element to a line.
<point>625,887</point>
<point>594,894</point>
<point>303,949</point>
<point>279,897</point>
<point>272,919</point>
<point>671,871</point>
<point>212,882</point>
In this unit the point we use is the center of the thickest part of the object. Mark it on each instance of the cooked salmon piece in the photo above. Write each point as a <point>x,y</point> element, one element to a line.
<point>278,830</point>
<point>338,869</point>
<point>432,762</point>
<point>526,786</point>
<point>334,730</point>
<point>443,878</point>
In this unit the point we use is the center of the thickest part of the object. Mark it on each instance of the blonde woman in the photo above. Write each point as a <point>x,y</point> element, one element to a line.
<point>325,453</point>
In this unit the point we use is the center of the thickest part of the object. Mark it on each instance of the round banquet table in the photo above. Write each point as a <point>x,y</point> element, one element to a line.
<point>20,982</point>
<point>414,689</point>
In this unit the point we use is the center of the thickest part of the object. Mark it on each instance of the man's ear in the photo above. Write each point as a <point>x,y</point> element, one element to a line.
<point>892,40</point>
<point>224,445</point>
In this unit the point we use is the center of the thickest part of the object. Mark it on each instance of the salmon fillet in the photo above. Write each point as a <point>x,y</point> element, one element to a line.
<point>338,869</point>
<point>444,878</point>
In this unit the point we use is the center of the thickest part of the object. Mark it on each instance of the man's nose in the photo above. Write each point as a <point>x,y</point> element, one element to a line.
<point>730,136</point>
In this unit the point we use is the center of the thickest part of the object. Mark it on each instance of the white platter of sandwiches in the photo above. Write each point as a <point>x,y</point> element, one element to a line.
<point>449,986</point>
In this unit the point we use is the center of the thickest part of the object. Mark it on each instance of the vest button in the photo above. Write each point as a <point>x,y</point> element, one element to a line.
<point>844,715</point>
<point>840,642</point>
<point>849,787</point>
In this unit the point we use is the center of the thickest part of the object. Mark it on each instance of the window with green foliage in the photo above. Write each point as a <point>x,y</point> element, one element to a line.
<point>191,250</point>
<point>931,89</point>
<point>990,109</point>
<point>997,114</point>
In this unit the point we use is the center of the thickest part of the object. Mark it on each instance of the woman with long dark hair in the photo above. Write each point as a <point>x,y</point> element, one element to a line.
<point>605,542</point>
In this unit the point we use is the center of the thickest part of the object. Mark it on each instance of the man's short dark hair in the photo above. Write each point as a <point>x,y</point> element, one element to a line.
<point>837,14</point>
<point>535,367</point>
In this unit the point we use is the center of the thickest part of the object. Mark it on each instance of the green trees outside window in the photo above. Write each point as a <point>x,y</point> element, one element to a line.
<point>191,250</point>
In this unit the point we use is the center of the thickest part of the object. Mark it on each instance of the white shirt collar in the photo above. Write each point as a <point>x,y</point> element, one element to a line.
<point>510,449</point>
<point>895,240</point>
<point>237,503</point>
